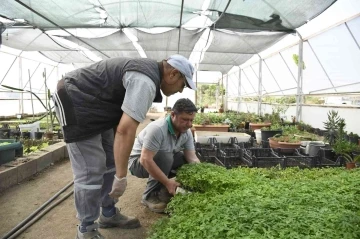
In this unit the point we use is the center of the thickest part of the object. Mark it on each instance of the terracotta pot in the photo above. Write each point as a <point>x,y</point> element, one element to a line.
<point>49,135</point>
<point>254,126</point>
<point>350,165</point>
<point>216,128</point>
<point>273,144</point>
<point>221,110</point>
<point>285,145</point>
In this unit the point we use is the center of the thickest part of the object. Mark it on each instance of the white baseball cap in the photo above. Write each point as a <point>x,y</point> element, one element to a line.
<point>184,66</point>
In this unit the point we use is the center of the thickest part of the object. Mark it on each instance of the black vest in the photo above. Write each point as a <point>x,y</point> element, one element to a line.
<point>92,97</point>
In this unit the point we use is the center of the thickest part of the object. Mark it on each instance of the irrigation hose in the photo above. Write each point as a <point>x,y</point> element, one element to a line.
<point>21,230</point>
<point>32,215</point>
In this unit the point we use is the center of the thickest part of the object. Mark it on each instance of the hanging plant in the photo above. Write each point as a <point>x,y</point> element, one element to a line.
<point>296,60</point>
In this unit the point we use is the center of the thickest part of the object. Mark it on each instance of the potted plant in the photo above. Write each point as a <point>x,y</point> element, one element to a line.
<point>268,132</point>
<point>344,150</point>
<point>25,134</point>
<point>332,126</point>
<point>210,122</point>
<point>221,110</point>
<point>353,138</point>
<point>38,134</point>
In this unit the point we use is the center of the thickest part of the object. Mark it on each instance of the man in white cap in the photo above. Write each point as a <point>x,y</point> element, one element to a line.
<point>99,108</point>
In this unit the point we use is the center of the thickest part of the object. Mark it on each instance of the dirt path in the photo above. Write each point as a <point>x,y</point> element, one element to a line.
<point>21,200</point>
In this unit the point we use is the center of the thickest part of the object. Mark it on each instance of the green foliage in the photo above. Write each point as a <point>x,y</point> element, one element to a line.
<point>31,145</point>
<point>332,126</point>
<point>206,93</point>
<point>344,148</point>
<point>263,203</point>
<point>296,60</point>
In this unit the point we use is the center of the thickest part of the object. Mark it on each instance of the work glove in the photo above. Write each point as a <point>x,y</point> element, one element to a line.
<point>118,187</point>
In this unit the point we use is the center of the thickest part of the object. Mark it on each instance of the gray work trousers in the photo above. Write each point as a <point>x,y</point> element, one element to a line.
<point>93,166</point>
<point>165,161</point>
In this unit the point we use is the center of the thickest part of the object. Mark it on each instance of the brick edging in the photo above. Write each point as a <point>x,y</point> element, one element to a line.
<point>35,163</point>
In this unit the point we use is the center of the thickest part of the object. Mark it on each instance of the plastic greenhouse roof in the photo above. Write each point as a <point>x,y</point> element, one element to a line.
<point>235,31</point>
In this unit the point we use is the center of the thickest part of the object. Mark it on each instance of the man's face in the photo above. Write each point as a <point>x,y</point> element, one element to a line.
<point>176,83</point>
<point>182,121</point>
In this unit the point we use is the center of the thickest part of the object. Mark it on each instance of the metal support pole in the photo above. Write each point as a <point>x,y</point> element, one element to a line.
<point>32,103</point>
<point>21,101</point>
<point>260,87</point>
<point>226,92</point>
<point>197,91</point>
<point>299,81</point>
<point>239,91</point>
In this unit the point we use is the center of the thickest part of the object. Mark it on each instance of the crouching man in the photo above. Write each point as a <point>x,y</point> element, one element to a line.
<point>161,147</point>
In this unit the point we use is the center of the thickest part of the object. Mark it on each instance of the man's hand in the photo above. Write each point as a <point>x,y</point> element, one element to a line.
<point>118,187</point>
<point>171,186</point>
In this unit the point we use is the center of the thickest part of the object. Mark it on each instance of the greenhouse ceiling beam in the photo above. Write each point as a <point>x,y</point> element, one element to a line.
<point>352,35</point>
<point>249,80</point>
<point>322,67</point>
<point>340,86</point>
<point>47,19</point>
<point>8,70</point>
<point>260,86</point>
<point>47,78</point>
<point>181,14</point>
<point>221,15</point>
<point>286,64</point>
<point>32,75</point>
<point>258,76</point>
<point>314,35</point>
<point>277,83</point>
<point>282,91</point>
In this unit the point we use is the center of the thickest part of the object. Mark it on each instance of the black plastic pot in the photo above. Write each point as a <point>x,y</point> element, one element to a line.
<point>19,152</point>
<point>247,125</point>
<point>353,139</point>
<point>25,135</point>
<point>39,135</point>
<point>266,134</point>
<point>5,133</point>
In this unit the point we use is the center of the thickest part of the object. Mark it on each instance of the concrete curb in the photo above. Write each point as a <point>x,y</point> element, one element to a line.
<point>25,167</point>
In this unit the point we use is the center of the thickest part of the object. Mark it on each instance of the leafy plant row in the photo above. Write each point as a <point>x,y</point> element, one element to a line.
<point>263,203</point>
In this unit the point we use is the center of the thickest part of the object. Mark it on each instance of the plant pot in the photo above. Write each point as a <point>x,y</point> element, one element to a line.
<point>39,135</point>
<point>60,134</point>
<point>258,136</point>
<point>25,135</point>
<point>350,165</point>
<point>254,126</point>
<point>266,134</point>
<point>221,110</point>
<point>216,128</point>
<point>273,144</point>
<point>285,145</point>
<point>5,133</point>
<point>49,135</point>
<point>354,139</point>
<point>7,151</point>
<point>247,125</point>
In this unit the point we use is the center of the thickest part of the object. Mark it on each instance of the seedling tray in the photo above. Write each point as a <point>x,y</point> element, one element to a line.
<point>232,157</point>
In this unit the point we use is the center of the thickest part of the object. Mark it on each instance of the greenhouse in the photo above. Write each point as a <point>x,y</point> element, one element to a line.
<point>273,119</point>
